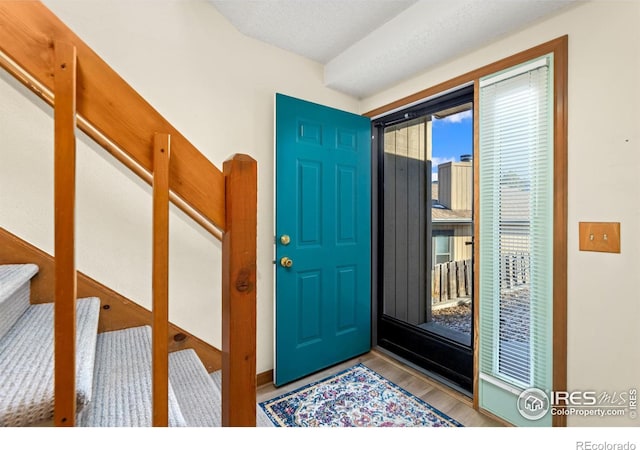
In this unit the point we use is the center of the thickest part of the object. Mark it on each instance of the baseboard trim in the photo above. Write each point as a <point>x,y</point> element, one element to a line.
<point>264,378</point>
<point>117,312</point>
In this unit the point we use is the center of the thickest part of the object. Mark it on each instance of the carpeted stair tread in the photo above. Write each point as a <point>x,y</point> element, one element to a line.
<point>197,395</point>
<point>15,282</point>
<point>261,418</point>
<point>122,382</point>
<point>26,363</point>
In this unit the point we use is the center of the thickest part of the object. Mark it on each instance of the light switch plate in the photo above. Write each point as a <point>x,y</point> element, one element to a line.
<point>599,237</point>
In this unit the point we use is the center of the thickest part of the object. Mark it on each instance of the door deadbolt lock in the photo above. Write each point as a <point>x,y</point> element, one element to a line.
<point>286,262</point>
<point>285,239</point>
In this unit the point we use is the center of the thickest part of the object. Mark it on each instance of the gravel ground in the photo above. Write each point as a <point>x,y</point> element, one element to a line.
<point>514,317</point>
<point>456,317</point>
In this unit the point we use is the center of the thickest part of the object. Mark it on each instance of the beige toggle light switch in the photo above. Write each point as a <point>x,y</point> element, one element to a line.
<point>599,237</point>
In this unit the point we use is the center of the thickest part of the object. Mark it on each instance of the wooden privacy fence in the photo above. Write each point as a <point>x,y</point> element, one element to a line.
<point>450,281</point>
<point>515,269</point>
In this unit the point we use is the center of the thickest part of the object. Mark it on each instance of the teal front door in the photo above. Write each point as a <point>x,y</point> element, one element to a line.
<point>323,237</point>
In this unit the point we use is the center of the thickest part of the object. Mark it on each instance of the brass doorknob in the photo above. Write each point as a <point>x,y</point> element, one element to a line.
<point>285,239</point>
<point>286,262</point>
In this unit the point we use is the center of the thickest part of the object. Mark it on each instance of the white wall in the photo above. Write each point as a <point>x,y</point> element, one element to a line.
<point>604,182</point>
<point>214,85</point>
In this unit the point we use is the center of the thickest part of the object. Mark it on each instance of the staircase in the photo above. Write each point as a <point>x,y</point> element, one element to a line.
<point>113,369</point>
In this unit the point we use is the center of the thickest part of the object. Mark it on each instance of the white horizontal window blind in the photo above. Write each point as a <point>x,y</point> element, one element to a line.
<point>516,229</point>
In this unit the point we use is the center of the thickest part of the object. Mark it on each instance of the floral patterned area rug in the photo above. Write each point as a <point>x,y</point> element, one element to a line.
<point>355,397</point>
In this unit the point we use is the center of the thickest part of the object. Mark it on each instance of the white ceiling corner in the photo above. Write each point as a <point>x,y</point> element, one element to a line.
<point>369,45</point>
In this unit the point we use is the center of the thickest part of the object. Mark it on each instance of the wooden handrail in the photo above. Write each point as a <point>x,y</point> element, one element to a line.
<point>64,71</point>
<point>47,96</point>
<point>161,158</point>
<point>108,104</point>
<point>48,58</point>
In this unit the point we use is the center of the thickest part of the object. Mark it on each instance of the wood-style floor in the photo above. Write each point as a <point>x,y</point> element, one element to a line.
<point>443,398</point>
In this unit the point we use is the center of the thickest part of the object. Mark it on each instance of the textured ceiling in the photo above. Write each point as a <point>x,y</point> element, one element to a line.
<point>369,45</point>
<point>317,29</point>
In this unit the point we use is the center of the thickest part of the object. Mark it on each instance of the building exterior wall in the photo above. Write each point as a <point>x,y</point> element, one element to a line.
<point>455,185</point>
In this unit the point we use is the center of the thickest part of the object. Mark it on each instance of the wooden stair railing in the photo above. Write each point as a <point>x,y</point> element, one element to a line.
<point>48,58</point>
<point>64,115</point>
<point>160,309</point>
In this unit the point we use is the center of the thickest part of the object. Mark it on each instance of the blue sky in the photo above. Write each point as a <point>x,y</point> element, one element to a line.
<point>451,137</point>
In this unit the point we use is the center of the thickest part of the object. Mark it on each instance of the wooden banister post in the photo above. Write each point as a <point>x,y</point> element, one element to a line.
<point>239,293</point>
<point>160,329</point>
<point>64,71</point>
